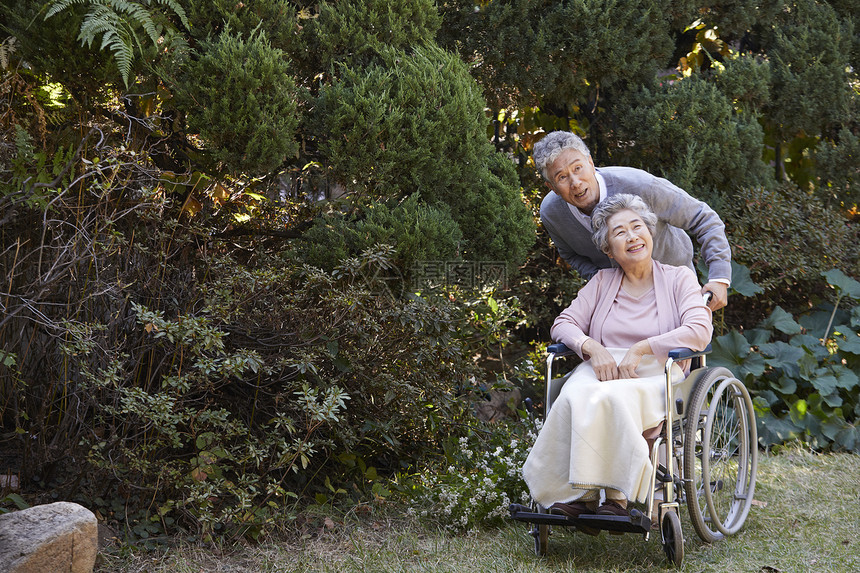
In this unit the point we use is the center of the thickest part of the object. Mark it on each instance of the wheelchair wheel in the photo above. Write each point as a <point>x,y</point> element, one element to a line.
<point>673,539</point>
<point>720,455</point>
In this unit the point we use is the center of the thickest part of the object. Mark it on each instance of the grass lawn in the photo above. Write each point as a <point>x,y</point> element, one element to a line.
<point>806,519</point>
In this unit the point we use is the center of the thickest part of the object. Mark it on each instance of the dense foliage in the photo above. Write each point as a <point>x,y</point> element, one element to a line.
<point>256,254</point>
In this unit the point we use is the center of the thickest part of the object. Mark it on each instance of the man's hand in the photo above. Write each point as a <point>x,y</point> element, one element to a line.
<point>720,292</point>
<point>601,360</point>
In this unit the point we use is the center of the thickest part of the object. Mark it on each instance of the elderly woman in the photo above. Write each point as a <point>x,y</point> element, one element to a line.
<point>623,323</point>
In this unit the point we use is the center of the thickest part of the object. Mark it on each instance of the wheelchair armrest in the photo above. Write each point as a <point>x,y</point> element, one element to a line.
<point>685,353</point>
<point>559,349</point>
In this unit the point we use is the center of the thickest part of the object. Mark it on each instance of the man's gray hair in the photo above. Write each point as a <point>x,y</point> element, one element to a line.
<point>550,147</point>
<point>612,205</point>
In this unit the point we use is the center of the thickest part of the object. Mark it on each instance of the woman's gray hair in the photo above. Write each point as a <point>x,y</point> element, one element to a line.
<point>550,147</point>
<point>612,205</point>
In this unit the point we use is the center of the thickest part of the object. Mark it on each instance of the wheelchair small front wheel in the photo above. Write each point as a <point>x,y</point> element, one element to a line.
<point>673,539</point>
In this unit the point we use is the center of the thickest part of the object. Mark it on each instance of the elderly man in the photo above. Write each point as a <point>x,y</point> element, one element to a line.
<point>577,187</point>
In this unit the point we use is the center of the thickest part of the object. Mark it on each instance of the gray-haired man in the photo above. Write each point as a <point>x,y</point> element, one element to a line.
<point>577,187</point>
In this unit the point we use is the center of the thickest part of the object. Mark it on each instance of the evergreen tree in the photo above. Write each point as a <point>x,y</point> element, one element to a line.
<point>415,123</point>
<point>688,132</point>
<point>239,96</point>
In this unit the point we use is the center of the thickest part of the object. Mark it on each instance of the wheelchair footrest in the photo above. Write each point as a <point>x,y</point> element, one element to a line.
<point>636,522</point>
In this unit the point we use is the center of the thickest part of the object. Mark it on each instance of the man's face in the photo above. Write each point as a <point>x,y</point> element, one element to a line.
<point>572,176</point>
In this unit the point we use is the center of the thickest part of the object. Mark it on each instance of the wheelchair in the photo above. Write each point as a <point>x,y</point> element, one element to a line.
<point>710,451</point>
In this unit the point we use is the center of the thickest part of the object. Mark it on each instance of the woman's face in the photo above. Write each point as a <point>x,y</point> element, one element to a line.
<point>630,241</point>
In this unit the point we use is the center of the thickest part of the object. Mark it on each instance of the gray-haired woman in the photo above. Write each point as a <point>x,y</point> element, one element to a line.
<point>623,323</point>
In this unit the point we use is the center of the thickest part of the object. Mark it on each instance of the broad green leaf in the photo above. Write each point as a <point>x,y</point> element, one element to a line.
<point>783,356</point>
<point>816,321</point>
<point>833,400</point>
<point>849,438</point>
<point>781,321</point>
<point>850,344</point>
<point>811,344</point>
<point>824,382</point>
<point>741,281</point>
<point>733,351</point>
<point>846,378</point>
<point>798,412</point>
<point>785,385</point>
<point>772,430</point>
<point>844,285</point>
<point>766,399</point>
<point>757,336</point>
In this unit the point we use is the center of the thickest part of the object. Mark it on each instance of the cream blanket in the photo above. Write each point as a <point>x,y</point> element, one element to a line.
<point>592,437</point>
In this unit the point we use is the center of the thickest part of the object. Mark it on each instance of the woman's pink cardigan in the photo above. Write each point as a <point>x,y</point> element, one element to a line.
<point>683,319</point>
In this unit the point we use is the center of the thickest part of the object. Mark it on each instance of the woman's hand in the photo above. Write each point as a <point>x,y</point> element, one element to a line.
<point>601,360</point>
<point>628,365</point>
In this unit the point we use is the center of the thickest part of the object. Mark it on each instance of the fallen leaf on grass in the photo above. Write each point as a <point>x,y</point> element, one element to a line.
<point>758,503</point>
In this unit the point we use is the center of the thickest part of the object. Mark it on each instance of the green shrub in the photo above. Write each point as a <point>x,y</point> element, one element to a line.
<point>417,124</point>
<point>417,231</point>
<point>278,19</point>
<point>745,81</point>
<point>238,95</point>
<point>810,50</point>
<point>389,126</point>
<point>559,52</point>
<point>480,475</point>
<point>803,370</point>
<point>787,239</point>
<point>495,223</point>
<point>355,32</point>
<point>839,170</point>
<point>688,132</point>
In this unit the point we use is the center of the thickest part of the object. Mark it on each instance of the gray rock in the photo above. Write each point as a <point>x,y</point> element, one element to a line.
<point>58,537</point>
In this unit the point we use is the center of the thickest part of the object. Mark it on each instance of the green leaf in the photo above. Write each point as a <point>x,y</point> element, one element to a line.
<point>785,385</point>
<point>818,320</point>
<point>783,356</point>
<point>849,344</point>
<point>844,285</point>
<point>773,430</point>
<point>741,281</point>
<point>811,344</point>
<point>849,438</point>
<point>758,336</point>
<point>781,321</point>
<point>17,500</point>
<point>846,378</point>
<point>798,412</point>
<point>9,359</point>
<point>205,440</point>
<point>733,351</point>
<point>826,384</point>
